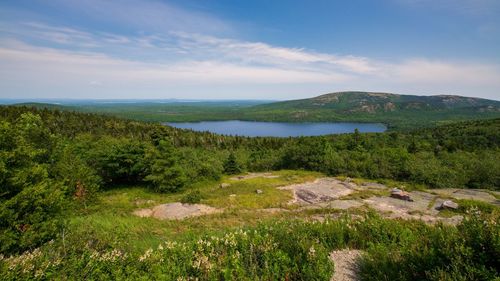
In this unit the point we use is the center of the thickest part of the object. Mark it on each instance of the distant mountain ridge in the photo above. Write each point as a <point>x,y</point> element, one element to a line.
<point>373,102</point>
<point>395,110</point>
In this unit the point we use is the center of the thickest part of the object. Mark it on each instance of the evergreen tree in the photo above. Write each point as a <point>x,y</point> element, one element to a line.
<point>164,172</point>
<point>231,166</point>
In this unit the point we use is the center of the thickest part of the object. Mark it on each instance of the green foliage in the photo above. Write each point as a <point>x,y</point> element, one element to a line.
<point>116,160</point>
<point>469,252</point>
<point>193,197</point>
<point>264,160</point>
<point>397,111</point>
<point>285,250</point>
<point>80,180</point>
<point>304,154</point>
<point>200,164</point>
<point>30,218</point>
<point>50,159</point>
<point>164,173</point>
<point>30,198</point>
<point>231,165</point>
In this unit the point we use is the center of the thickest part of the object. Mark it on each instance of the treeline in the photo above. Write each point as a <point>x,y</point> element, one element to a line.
<point>51,160</point>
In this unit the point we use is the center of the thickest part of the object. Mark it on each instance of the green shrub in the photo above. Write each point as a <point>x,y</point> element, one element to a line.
<point>164,172</point>
<point>31,217</point>
<point>469,252</point>
<point>192,197</point>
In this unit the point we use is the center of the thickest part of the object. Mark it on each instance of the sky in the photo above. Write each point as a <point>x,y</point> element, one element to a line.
<point>259,49</point>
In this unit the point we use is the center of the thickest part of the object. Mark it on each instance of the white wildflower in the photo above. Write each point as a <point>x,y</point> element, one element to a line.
<point>312,251</point>
<point>146,255</point>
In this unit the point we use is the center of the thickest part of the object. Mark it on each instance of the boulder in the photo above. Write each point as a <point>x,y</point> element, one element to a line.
<point>448,204</point>
<point>400,194</point>
<point>258,191</point>
<point>224,185</point>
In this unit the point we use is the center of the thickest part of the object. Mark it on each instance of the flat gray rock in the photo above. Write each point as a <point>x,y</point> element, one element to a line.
<point>448,204</point>
<point>321,190</point>
<point>344,204</point>
<point>176,211</point>
<point>470,194</point>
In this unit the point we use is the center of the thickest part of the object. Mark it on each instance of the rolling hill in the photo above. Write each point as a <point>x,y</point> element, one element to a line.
<point>396,111</point>
<point>371,102</point>
<point>392,109</point>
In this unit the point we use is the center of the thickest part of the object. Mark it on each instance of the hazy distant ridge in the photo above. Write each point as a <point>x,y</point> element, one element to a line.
<point>372,102</point>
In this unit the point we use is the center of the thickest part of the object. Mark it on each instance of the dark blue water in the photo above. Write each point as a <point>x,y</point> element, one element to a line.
<point>278,129</point>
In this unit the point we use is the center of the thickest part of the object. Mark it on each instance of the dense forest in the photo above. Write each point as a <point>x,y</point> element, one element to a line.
<point>52,160</point>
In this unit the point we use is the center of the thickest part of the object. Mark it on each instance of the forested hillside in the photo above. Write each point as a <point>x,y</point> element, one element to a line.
<point>399,112</point>
<point>52,161</point>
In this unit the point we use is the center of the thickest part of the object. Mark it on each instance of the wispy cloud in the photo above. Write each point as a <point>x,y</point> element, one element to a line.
<point>184,51</point>
<point>231,62</point>
<point>191,46</point>
<point>150,15</point>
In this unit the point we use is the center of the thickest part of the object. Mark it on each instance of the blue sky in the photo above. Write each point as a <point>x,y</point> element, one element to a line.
<point>256,49</point>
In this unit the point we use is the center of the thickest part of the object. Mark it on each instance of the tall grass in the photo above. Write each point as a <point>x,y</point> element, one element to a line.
<point>284,250</point>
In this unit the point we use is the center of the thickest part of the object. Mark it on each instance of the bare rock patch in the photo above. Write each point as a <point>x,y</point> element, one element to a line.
<point>471,194</point>
<point>320,190</point>
<point>176,211</point>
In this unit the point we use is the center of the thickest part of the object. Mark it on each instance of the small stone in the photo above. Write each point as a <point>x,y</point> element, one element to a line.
<point>224,185</point>
<point>258,191</point>
<point>448,204</point>
<point>232,195</point>
<point>399,194</point>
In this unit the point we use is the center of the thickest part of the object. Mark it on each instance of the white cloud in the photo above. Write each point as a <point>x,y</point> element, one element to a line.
<point>182,62</point>
<point>32,62</point>
<point>440,72</point>
<point>258,52</point>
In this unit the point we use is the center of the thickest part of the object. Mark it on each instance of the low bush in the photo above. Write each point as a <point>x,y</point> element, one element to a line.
<point>192,197</point>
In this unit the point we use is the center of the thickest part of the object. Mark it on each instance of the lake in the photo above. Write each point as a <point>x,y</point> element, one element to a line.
<point>278,129</point>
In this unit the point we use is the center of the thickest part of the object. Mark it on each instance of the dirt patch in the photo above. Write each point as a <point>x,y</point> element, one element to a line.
<point>346,265</point>
<point>255,175</point>
<point>176,211</point>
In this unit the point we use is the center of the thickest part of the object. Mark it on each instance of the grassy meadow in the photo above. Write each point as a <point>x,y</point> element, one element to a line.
<point>106,241</point>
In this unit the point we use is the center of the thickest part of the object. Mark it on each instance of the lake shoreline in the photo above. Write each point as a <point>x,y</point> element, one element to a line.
<point>278,129</point>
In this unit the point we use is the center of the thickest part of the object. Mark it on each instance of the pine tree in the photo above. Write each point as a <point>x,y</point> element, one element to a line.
<point>231,165</point>
<point>165,174</point>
